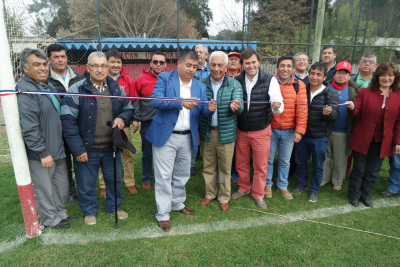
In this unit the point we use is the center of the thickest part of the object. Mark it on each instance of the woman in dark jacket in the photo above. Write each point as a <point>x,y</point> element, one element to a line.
<point>376,134</point>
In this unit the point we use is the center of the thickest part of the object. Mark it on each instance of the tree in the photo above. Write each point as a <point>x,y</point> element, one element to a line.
<point>386,13</point>
<point>278,21</point>
<point>128,18</point>
<point>199,11</point>
<point>51,15</point>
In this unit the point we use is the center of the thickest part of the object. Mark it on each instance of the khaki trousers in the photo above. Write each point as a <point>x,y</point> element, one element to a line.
<point>217,157</point>
<point>338,152</point>
<point>127,157</point>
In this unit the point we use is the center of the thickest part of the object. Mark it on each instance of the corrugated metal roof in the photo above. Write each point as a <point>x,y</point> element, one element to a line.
<point>152,44</point>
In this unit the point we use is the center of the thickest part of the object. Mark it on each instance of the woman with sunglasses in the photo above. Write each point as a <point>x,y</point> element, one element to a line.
<point>376,134</point>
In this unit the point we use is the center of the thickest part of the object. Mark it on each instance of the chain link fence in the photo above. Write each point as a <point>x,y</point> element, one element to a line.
<point>139,27</point>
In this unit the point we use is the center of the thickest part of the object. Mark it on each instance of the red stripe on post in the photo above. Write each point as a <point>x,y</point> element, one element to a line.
<point>29,212</point>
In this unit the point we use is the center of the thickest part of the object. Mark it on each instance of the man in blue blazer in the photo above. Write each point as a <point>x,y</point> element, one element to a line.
<point>173,132</point>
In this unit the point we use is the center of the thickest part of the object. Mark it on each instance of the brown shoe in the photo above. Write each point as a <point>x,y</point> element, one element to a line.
<point>103,192</point>
<point>164,225</point>
<point>188,211</point>
<point>206,201</point>
<point>132,190</point>
<point>268,191</point>
<point>146,186</point>
<point>224,206</point>
<point>285,193</point>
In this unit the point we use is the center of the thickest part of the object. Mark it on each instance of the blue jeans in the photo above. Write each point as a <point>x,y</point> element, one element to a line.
<point>394,181</point>
<point>147,154</point>
<point>86,179</point>
<point>316,147</point>
<point>284,139</point>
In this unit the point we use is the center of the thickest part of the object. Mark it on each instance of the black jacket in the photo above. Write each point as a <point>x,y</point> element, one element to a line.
<point>319,125</point>
<point>259,116</point>
<point>75,77</point>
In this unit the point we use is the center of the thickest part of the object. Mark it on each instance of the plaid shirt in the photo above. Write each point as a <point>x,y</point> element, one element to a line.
<point>98,88</point>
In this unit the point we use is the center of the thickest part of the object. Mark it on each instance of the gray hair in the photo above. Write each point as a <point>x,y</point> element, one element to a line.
<point>369,54</point>
<point>205,48</point>
<point>96,54</point>
<point>219,53</point>
<point>298,54</point>
<point>23,56</point>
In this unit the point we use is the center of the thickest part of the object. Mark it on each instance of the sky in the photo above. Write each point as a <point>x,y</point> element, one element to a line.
<point>221,9</point>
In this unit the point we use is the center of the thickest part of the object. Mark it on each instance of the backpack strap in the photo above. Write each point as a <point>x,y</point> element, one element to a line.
<point>296,84</point>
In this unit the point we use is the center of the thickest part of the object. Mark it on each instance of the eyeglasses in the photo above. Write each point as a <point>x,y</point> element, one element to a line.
<point>96,67</point>
<point>156,62</point>
<point>367,61</point>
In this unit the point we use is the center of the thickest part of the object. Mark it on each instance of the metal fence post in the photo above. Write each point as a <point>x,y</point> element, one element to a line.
<point>309,30</point>
<point>177,27</point>
<point>100,45</point>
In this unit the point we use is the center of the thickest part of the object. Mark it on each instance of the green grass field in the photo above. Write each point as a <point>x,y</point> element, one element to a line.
<point>243,236</point>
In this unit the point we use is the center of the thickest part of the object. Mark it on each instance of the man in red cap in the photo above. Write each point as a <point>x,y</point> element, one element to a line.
<point>233,64</point>
<point>337,150</point>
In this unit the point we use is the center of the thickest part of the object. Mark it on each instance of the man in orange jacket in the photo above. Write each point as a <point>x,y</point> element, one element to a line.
<point>287,127</point>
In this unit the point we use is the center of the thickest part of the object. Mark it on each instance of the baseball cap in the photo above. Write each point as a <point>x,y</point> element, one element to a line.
<point>234,54</point>
<point>343,65</point>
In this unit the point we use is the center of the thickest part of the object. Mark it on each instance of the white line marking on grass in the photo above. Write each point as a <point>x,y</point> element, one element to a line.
<point>57,238</point>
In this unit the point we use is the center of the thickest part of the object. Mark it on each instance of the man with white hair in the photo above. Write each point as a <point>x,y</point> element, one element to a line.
<point>86,126</point>
<point>218,133</point>
<point>203,69</point>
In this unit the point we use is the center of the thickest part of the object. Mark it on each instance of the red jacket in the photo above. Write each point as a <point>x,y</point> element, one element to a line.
<point>145,83</point>
<point>144,87</point>
<point>369,104</point>
<point>127,83</point>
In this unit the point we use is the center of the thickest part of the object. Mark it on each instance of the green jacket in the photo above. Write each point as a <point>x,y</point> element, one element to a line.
<point>227,121</point>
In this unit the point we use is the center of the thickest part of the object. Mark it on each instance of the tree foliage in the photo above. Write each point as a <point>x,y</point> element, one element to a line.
<point>128,18</point>
<point>51,15</point>
<point>198,11</point>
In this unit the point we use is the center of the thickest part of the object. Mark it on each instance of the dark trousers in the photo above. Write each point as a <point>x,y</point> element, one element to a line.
<point>365,170</point>
<point>71,182</point>
<point>315,147</point>
<point>147,154</point>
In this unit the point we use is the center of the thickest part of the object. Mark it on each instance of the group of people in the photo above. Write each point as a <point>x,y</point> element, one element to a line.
<point>223,105</point>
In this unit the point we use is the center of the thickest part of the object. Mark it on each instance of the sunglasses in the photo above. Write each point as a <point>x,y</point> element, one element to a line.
<point>156,62</point>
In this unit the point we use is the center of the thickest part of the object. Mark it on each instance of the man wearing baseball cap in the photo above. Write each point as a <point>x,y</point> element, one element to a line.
<point>233,64</point>
<point>338,151</point>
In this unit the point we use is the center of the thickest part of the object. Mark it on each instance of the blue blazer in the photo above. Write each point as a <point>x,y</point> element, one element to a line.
<point>167,86</point>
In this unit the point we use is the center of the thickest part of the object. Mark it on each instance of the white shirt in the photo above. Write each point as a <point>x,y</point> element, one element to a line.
<point>316,92</point>
<point>183,122</point>
<point>215,87</point>
<point>274,92</point>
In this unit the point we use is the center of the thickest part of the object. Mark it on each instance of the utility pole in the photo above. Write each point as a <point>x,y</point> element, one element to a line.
<point>318,30</point>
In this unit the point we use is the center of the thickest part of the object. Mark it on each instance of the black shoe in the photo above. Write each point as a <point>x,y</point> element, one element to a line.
<point>354,203</point>
<point>367,203</point>
<point>192,171</point>
<point>387,194</point>
<point>70,219</point>
<point>298,189</point>
<point>386,179</point>
<point>61,225</point>
<point>73,200</point>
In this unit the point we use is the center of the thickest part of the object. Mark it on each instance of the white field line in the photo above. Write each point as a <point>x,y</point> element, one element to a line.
<point>56,237</point>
